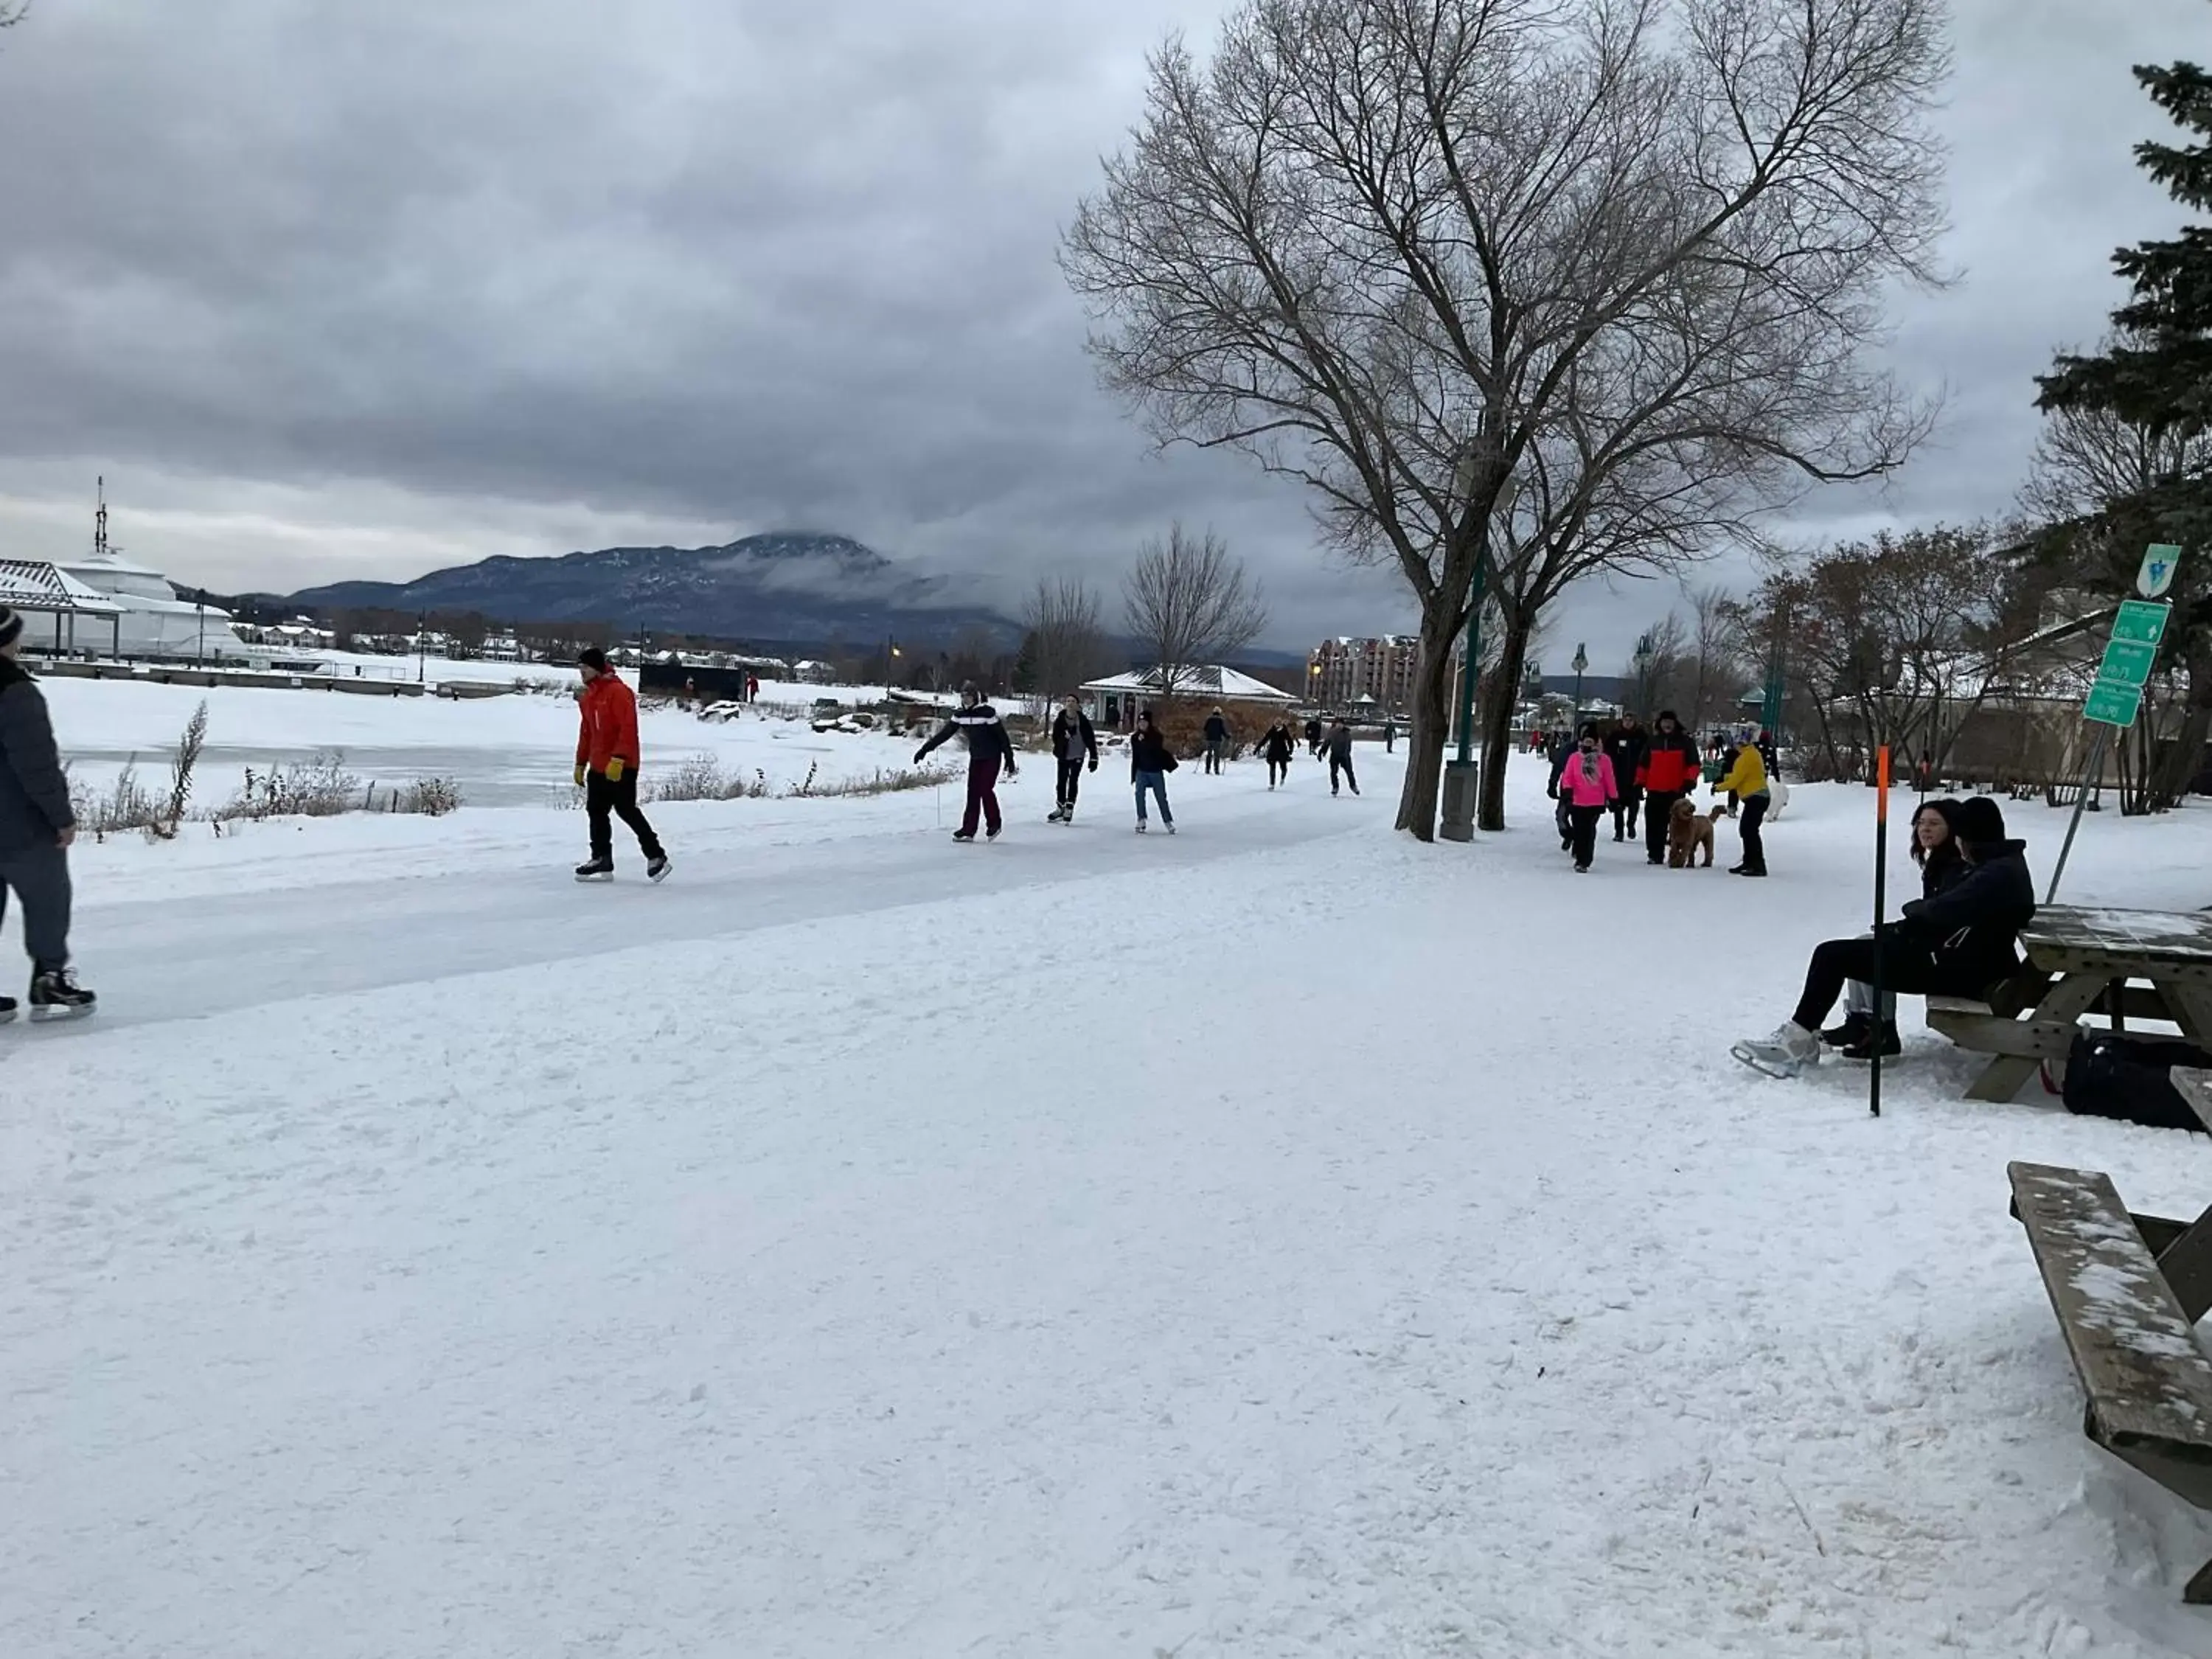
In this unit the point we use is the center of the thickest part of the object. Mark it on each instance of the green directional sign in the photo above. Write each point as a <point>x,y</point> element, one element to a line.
<point>2127,662</point>
<point>2113,705</point>
<point>2140,623</point>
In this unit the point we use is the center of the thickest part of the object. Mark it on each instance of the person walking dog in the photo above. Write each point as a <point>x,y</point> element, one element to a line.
<point>606,766</point>
<point>37,828</point>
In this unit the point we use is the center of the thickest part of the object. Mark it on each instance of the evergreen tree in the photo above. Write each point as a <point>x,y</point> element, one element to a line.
<point>2153,382</point>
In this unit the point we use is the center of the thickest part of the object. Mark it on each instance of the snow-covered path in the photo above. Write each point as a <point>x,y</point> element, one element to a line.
<point>1277,1241</point>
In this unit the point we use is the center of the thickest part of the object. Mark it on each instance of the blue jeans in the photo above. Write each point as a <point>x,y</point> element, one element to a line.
<point>1158,783</point>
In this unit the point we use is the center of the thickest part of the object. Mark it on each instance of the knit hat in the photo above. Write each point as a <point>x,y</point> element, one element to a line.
<point>593,658</point>
<point>11,625</point>
<point>1979,822</point>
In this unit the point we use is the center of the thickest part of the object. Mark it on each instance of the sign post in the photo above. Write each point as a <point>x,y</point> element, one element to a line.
<point>1880,903</point>
<point>2116,699</point>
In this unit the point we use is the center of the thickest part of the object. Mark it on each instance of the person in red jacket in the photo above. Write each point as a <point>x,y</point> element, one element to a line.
<point>606,766</point>
<point>1669,771</point>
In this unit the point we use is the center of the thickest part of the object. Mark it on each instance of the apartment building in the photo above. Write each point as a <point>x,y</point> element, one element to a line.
<point>1341,671</point>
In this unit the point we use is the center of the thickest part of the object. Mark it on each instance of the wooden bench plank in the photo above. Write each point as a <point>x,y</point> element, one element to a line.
<point>2147,1379</point>
<point>2195,1088</point>
<point>1993,1034</point>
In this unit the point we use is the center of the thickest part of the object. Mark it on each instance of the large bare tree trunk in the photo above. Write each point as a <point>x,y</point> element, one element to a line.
<point>1497,719</point>
<point>1431,729</point>
<point>2181,764</point>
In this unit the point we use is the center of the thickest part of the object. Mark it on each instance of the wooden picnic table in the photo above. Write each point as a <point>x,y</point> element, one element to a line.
<point>2135,965</point>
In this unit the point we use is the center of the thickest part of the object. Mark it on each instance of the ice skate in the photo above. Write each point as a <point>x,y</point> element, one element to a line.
<point>1141,826</point>
<point>656,869</point>
<point>992,835</point>
<point>1877,1039</point>
<point>1785,1054</point>
<point>55,994</point>
<point>1171,827</point>
<point>963,834</point>
<point>1057,815</point>
<point>1854,1029</point>
<point>7,1010</point>
<point>596,870</point>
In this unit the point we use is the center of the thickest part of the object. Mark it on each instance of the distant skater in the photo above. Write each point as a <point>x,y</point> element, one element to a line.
<point>1278,745</point>
<point>989,750</point>
<point>1150,760</point>
<point>37,828</point>
<point>1217,740</point>
<point>1339,756</point>
<point>1313,736</point>
<point>1073,740</point>
<point>606,766</point>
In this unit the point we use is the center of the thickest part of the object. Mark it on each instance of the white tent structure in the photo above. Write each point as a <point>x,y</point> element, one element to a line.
<point>31,586</point>
<point>1212,683</point>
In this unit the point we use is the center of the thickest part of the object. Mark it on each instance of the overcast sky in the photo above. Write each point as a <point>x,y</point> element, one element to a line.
<point>329,289</point>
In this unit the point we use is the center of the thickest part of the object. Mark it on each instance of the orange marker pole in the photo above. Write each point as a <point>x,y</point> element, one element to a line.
<point>1881,906</point>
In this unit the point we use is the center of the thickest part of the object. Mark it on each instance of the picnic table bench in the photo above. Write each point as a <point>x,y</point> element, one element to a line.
<point>2138,964</point>
<point>2128,1289</point>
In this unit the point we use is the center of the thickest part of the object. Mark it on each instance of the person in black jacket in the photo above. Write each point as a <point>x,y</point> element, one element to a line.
<point>1313,736</point>
<point>36,829</point>
<point>1943,865</point>
<point>989,748</point>
<point>1150,760</point>
<point>1339,757</point>
<point>1217,740</point>
<point>1073,741</point>
<point>1278,746</point>
<point>1958,943</point>
<point>1625,748</point>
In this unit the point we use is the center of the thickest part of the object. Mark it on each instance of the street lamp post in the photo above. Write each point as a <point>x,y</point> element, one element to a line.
<point>1582,662</point>
<point>421,644</point>
<point>1644,656</point>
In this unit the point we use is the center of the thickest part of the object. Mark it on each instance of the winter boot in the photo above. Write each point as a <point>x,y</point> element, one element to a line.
<point>1785,1054</point>
<point>1881,1039</point>
<point>1855,1028</point>
<point>656,867</point>
<point>55,994</point>
<point>596,870</point>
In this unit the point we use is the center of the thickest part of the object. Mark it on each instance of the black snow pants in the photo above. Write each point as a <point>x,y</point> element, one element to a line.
<point>604,798</point>
<point>39,878</point>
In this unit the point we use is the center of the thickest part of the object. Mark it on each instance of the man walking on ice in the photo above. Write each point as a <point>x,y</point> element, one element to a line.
<point>989,748</point>
<point>36,829</point>
<point>606,766</point>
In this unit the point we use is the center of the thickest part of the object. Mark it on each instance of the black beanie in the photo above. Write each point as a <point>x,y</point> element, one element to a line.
<point>1979,821</point>
<point>11,625</point>
<point>591,657</point>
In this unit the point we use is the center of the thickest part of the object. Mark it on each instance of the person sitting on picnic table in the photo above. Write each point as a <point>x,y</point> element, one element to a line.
<point>1958,943</point>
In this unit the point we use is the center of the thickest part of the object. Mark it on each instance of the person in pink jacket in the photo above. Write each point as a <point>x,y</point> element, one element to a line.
<point>1587,788</point>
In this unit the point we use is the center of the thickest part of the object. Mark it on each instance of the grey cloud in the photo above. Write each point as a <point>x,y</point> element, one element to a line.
<point>678,263</point>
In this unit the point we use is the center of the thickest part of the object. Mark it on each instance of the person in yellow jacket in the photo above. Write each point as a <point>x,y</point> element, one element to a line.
<point>1747,781</point>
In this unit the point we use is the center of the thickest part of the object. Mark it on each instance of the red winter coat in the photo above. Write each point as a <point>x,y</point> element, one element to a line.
<point>1670,765</point>
<point>610,710</point>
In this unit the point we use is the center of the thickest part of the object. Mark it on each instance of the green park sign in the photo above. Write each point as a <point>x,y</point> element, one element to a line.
<point>2113,705</point>
<point>2117,697</point>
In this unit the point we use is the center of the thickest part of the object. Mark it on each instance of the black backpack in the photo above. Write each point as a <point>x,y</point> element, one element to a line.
<point>2128,1079</point>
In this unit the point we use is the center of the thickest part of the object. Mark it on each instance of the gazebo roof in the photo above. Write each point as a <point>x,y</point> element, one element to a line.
<point>1212,680</point>
<point>32,585</point>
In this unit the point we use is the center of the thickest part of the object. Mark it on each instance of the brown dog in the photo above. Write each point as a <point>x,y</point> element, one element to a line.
<point>1687,830</point>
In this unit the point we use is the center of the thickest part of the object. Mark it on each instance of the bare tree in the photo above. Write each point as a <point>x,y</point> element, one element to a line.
<point>1625,255</point>
<point>1064,644</point>
<point>1656,666</point>
<point>1191,605</point>
<point>1720,653</point>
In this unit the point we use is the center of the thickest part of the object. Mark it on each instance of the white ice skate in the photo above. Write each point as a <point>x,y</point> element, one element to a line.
<point>1785,1054</point>
<point>1142,826</point>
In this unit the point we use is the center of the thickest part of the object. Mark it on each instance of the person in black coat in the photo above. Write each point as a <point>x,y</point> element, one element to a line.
<point>1313,736</point>
<point>1073,741</point>
<point>37,828</point>
<point>1150,760</point>
<point>1959,943</point>
<point>1217,740</point>
<point>1935,849</point>
<point>1625,748</point>
<point>1278,746</point>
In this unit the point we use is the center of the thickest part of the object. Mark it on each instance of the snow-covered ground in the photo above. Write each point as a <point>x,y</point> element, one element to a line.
<point>1277,1240</point>
<point>508,750</point>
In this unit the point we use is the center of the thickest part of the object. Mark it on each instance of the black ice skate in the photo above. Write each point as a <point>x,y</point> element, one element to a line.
<point>7,1010</point>
<point>596,870</point>
<point>656,868</point>
<point>55,994</point>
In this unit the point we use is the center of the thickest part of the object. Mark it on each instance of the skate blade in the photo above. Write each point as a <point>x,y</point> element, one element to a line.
<point>660,875</point>
<point>1784,1072</point>
<point>57,1015</point>
<point>587,880</point>
<point>7,1016</point>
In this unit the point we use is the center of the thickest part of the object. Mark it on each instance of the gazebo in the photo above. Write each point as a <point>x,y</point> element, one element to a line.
<point>31,586</point>
<point>1119,694</point>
